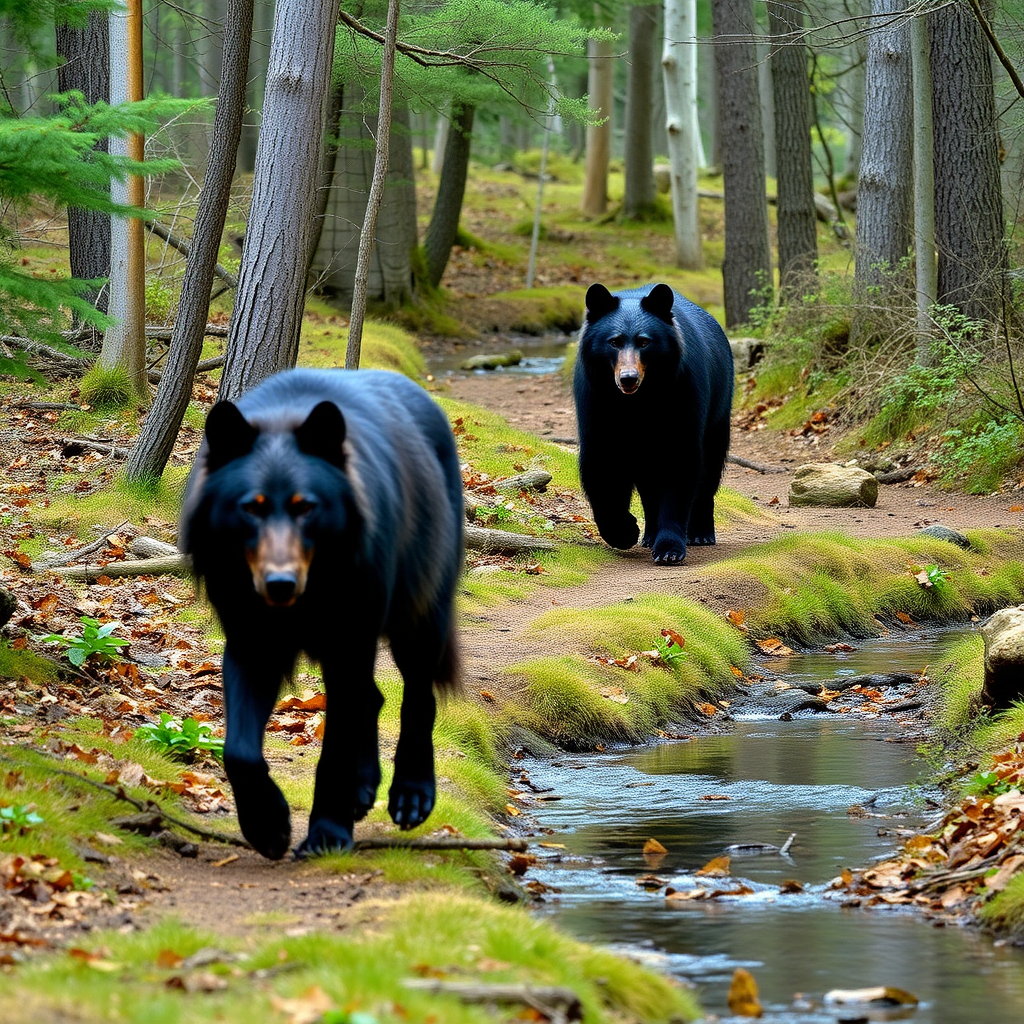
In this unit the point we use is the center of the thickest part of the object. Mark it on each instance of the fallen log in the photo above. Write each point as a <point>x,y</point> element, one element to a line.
<point>168,565</point>
<point>185,247</point>
<point>154,376</point>
<point>440,843</point>
<point>543,998</point>
<point>531,480</point>
<point>150,547</point>
<point>73,556</point>
<point>502,542</point>
<point>897,476</point>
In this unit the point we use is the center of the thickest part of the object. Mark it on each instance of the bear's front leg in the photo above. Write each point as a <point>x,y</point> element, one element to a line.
<point>249,697</point>
<point>348,773</point>
<point>609,496</point>
<point>413,789</point>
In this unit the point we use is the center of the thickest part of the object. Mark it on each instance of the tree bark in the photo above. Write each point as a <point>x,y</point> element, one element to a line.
<point>884,187</point>
<point>925,267</point>
<point>599,136</point>
<point>267,317</point>
<point>746,269</point>
<point>156,441</point>
<point>797,217</point>
<point>968,197</point>
<point>86,68</point>
<point>444,221</point>
<point>638,200</point>
<point>679,68</point>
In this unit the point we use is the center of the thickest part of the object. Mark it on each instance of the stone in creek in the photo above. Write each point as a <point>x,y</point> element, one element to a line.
<point>946,533</point>
<point>1004,658</point>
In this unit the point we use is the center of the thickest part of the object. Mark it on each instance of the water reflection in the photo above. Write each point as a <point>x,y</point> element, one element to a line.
<point>776,778</point>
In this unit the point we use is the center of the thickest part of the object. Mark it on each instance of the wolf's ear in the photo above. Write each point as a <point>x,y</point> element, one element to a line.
<point>658,302</point>
<point>600,302</point>
<point>229,435</point>
<point>323,433</point>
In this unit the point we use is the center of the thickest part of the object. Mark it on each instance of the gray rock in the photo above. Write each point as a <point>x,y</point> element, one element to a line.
<point>1004,658</point>
<point>835,486</point>
<point>946,533</point>
<point>746,352</point>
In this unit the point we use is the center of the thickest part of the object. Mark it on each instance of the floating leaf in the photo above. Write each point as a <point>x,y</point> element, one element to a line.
<point>743,1001</point>
<point>718,867</point>
<point>653,846</point>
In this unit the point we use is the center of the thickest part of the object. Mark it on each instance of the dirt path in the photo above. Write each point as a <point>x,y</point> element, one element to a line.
<point>543,405</point>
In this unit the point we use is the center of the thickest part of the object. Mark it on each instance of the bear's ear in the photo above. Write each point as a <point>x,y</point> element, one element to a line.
<point>323,433</point>
<point>229,435</point>
<point>658,302</point>
<point>600,302</point>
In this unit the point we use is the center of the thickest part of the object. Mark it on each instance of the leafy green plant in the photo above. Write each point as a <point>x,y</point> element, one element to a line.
<point>983,456</point>
<point>936,577</point>
<point>670,647</point>
<point>183,738</point>
<point>96,640</point>
<point>988,784</point>
<point>18,819</point>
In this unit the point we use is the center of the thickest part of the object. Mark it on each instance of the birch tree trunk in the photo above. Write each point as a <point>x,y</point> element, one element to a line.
<point>885,184</point>
<point>638,198</point>
<point>599,137</point>
<point>747,267</point>
<point>968,197</point>
<point>679,70</point>
<point>151,451</point>
<point>267,318</point>
<point>797,221</point>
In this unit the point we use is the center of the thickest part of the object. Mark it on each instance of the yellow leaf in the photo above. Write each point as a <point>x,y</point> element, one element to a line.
<point>653,846</point>
<point>514,811</point>
<point>707,709</point>
<point>615,693</point>
<point>716,868</point>
<point>307,1008</point>
<point>743,1001</point>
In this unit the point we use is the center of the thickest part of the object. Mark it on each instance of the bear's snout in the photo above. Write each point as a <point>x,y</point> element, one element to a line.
<point>280,564</point>
<point>628,382</point>
<point>280,588</point>
<point>629,370</point>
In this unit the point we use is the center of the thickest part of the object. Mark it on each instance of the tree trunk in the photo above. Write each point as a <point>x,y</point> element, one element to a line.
<point>924,187</point>
<point>150,453</point>
<point>638,200</point>
<point>968,198</point>
<point>884,188</point>
<point>679,66</point>
<point>328,164</point>
<point>797,220</point>
<point>86,68</point>
<point>444,221</point>
<point>263,20</point>
<point>599,137</point>
<point>267,317</point>
<point>747,268</point>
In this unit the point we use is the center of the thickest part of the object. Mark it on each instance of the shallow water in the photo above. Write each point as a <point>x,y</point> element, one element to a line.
<point>780,778</point>
<point>541,355</point>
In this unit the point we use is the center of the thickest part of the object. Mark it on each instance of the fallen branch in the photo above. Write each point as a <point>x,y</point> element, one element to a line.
<point>51,406</point>
<point>166,333</point>
<point>756,466</point>
<point>532,480</point>
<point>104,447</point>
<point>148,808</point>
<point>440,843</point>
<point>543,998</point>
<point>185,247</point>
<point>784,849</point>
<point>503,542</point>
<point>155,376</point>
<point>41,349</point>
<point>169,565</point>
<point>897,476</point>
<point>73,556</point>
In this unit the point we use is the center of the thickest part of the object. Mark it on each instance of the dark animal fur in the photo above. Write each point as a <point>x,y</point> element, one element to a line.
<point>356,475</point>
<point>653,385</point>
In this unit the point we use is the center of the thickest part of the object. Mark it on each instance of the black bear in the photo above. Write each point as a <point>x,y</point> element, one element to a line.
<point>324,511</point>
<point>653,385</point>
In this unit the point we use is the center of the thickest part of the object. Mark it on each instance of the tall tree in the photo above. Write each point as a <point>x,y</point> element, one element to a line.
<point>968,196</point>
<point>267,318</point>
<point>797,221</point>
<point>85,50</point>
<point>599,136</point>
<point>924,186</point>
<point>747,267</point>
<point>443,228</point>
<point>638,197</point>
<point>679,67</point>
<point>151,451</point>
<point>885,185</point>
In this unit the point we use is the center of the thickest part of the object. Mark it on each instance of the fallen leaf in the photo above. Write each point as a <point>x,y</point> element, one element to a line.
<point>737,618</point>
<point>775,647</point>
<point>487,695</point>
<point>707,709</point>
<point>653,846</point>
<point>225,861</point>
<point>718,867</point>
<point>905,619</point>
<point>305,1009</point>
<point>715,796</point>
<point>615,693</point>
<point>743,1001</point>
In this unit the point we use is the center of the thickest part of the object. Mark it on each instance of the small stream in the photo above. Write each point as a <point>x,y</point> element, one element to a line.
<point>780,777</point>
<point>541,354</point>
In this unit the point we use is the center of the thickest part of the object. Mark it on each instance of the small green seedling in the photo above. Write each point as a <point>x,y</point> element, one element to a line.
<point>96,640</point>
<point>19,819</point>
<point>670,647</point>
<point>181,739</point>
<point>989,784</point>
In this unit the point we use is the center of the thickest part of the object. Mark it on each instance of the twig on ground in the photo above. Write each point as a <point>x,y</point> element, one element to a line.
<point>897,476</point>
<point>73,556</point>
<point>756,466</point>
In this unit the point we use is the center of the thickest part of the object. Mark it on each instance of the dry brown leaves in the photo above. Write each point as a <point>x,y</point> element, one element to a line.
<point>977,850</point>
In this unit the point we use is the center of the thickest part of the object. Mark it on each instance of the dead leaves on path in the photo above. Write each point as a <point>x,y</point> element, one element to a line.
<point>976,851</point>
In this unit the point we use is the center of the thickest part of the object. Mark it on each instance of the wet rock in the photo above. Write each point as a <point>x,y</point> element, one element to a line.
<point>1004,658</point>
<point>491,362</point>
<point>872,680</point>
<point>834,486</point>
<point>946,533</point>
<point>8,603</point>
